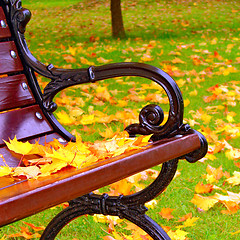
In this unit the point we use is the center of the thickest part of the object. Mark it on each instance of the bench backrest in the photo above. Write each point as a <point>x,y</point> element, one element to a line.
<point>21,113</point>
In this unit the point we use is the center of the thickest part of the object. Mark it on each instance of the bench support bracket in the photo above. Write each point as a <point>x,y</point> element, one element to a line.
<point>129,207</point>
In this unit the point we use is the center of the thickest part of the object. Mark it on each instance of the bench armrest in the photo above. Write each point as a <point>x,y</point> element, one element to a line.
<point>151,116</point>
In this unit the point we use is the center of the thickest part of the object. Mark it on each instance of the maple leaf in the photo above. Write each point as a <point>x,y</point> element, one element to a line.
<point>232,207</point>
<point>69,58</point>
<point>19,147</point>
<point>85,61</point>
<point>107,219</point>
<point>29,172</point>
<point>108,238</point>
<point>103,60</point>
<point>203,188</point>
<point>186,102</point>
<point>5,170</point>
<point>185,217</point>
<point>235,180</point>
<point>65,118</point>
<point>189,222</point>
<point>203,203</point>
<point>177,235</point>
<point>122,187</point>
<point>55,166</point>
<point>166,213</point>
<point>35,228</point>
<point>87,119</point>
<point>177,60</point>
<point>147,57</point>
<point>214,174</point>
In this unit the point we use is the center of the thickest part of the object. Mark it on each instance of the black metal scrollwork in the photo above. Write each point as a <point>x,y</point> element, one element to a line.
<point>129,207</point>
<point>150,118</point>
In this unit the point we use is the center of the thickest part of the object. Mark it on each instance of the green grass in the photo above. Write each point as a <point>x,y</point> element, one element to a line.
<point>191,28</point>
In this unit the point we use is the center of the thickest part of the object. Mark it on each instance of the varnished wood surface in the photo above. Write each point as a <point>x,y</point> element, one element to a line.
<point>26,198</point>
<point>14,92</point>
<point>9,64</point>
<point>23,123</point>
<point>4,31</point>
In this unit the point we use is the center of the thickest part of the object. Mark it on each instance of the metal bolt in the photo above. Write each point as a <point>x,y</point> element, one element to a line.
<point>3,24</point>
<point>39,116</point>
<point>24,86</point>
<point>13,54</point>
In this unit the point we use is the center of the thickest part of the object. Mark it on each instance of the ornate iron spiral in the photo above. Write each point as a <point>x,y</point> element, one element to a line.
<point>151,116</point>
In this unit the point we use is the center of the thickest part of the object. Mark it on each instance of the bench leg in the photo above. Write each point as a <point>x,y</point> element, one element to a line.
<point>129,207</point>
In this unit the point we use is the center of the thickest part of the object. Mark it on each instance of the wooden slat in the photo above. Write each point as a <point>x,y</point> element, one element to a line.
<point>14,92</point>
<point>4,31</point>
<point>9,64</point>
<point>26,198</point>
<point>22,123</point>
<point>12,160</point>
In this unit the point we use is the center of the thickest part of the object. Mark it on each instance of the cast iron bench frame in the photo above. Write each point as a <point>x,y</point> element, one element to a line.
<point>170,142</point>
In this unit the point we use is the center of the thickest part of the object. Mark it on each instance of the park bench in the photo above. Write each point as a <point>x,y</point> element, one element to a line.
<point>27,113</point>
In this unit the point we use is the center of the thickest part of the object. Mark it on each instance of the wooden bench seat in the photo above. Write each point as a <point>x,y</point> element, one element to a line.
<point>27,113</point>
<point>38,194</point>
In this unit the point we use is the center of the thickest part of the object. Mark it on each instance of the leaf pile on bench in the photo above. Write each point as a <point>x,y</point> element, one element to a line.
<point>43,160</point>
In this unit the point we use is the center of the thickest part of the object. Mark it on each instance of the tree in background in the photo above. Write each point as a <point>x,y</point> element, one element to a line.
<point>117,20</point>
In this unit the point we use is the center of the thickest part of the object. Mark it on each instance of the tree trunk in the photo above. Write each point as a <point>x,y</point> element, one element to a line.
<point>117,20</point>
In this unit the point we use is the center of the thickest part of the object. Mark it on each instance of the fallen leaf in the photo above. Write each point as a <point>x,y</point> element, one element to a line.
<point>166,213</point>
<point>203,188</point>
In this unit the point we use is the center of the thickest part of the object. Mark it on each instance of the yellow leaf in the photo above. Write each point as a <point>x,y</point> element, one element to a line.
<point>72,51</point>
<point>108,133</point>
<point>203,188</point>
<point>177,60</point>
<point>186,102</point>
<point>87,119</point>
<point>235,180</point>
<point>203,203</point>
<point>237,232</point>
<point>5,170</point>
<point>55,166</point>
<point>146,58</point>
<point>177,235</point>
<point>193,93</point>
<point>85,61</point>
<point>19,147</point>
<point>103,60</point>
<point>189,222</point>
<point>65,118</point>
<point>152,204</point>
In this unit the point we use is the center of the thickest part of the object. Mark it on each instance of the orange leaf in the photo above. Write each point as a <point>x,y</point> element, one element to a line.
<point>122,187</point>
<point>36,229</point>
<point>203,188</point>
<point>232,207</point>
<point>108,238</point>
<point>166,213</point>
<point>108,133</point>
<point>185,217</point>
<point>69,59</point>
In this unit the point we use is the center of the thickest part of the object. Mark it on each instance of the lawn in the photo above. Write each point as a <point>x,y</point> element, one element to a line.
<point>197,43</point>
